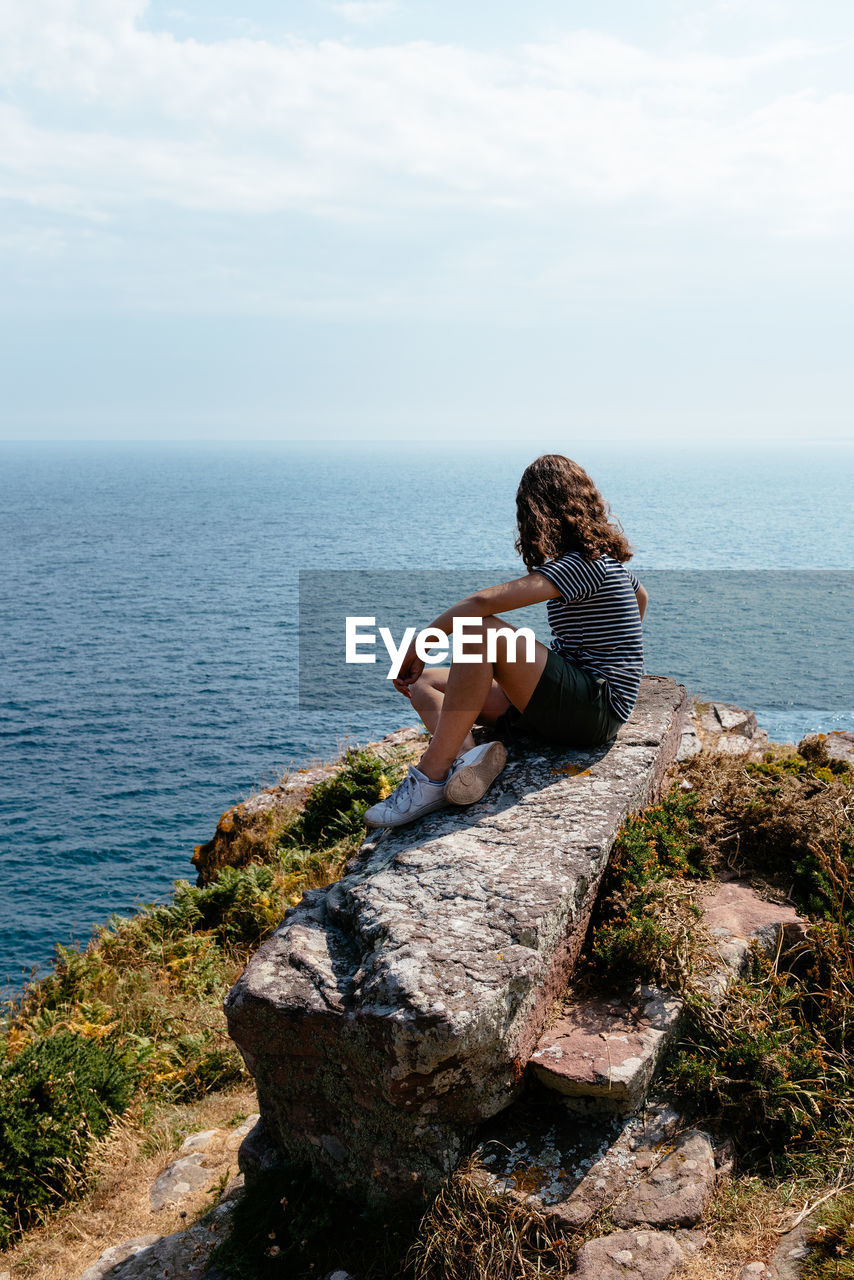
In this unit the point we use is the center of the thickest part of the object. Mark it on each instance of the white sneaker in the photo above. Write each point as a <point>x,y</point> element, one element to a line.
<point>415,796</point>
<point>474,771</point>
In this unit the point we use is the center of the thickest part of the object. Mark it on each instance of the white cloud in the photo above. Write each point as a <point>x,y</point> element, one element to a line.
<point>107,113</point>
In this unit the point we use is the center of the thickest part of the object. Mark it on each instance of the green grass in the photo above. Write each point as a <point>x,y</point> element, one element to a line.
<point>773,1062</point>
<point>56,1096</point>
<point>641,913</point>
<point>142,1003</point>
<point>832,1241</point>
<point>785,819</point>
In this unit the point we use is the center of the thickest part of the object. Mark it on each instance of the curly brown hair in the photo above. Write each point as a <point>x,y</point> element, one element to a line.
<point>559,510</point>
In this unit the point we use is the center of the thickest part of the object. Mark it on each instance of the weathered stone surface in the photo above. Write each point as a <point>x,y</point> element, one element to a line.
<point>184,1255</point>
<point>607,1050</point>
<point>180,1179</point>
<point>629,1255</point>
<point>198,1141</point>
<point>218,1144</point>
<point>722,717</point>
<point>392,1012</point>
<point>111,1257</point>
<point>604,1053</point>
<point>257,1155</point>
<point>753,1271</point>
<point>676,1191</point>
<point>642,1170</point>
<point>689,744</point>
<point>721,729</point>
<point>734,915</point>
<point>540,1152</point>
<point>736,744</point>
<point>235,1137</point>
<point>570,1167</point>
<point>792,1252</point>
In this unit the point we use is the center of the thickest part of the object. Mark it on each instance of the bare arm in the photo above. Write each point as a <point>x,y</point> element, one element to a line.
<point>532,589</point>
<point>643,599</point>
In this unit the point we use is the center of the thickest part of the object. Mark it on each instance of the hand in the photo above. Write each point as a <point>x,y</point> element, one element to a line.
<point>410,670</point>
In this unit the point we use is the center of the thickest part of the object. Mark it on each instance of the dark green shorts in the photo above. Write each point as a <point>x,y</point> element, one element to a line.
<point>569,706</point>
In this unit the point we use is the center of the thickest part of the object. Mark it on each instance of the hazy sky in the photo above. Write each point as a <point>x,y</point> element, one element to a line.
<point>410,218</point>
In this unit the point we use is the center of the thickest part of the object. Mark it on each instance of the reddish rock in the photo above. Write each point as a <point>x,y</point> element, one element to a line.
<point>735,915</point>
<point>629,1255</point>
<point>606,1051</point>
<point>676,1190</point>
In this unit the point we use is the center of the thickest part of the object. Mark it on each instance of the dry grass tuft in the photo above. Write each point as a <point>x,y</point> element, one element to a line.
<point>779,819</point>
<point>741,1226</point>
<point>116,1205</point>
<point>470,1233</point>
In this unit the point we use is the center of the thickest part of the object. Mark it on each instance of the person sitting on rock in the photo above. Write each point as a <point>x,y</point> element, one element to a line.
<point>577,693</point>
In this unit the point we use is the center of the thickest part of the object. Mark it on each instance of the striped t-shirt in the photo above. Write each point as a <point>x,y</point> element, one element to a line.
<point>596,623</point>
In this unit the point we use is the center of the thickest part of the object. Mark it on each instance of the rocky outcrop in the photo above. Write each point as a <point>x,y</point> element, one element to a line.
<point>202,1164</point>
<point>721,729</point>
<point>642,1169</point>
<point>394,1011</point>
<point>631,1255</point>
<point>183,1254</point>
<point>249,830</point>
<point>602,1053</point>
<point>825,747</point>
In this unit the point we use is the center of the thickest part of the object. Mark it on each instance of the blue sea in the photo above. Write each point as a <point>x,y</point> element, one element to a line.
<point>148,612</point>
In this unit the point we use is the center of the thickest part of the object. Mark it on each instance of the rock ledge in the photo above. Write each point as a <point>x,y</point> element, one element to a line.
<point>395,1010</point>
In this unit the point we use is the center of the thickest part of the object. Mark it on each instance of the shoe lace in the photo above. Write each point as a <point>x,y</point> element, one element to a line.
<point>403,792</point>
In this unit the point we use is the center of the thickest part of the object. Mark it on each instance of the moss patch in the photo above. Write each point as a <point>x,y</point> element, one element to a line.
<point>642,913</point>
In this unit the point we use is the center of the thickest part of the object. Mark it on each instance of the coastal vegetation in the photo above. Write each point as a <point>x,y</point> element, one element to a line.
<point>772,1062</point>
<point>133,1024</point>
<point>131,1027</point>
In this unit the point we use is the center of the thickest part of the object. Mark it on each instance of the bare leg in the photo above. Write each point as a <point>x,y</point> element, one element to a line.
<point>468,686</point>
<point>428,695</point>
